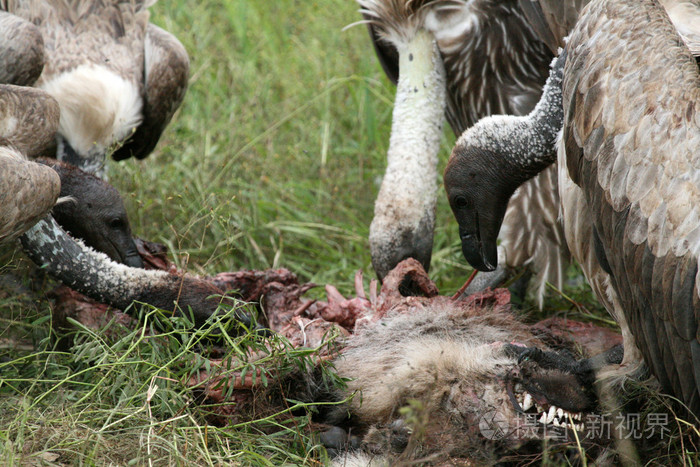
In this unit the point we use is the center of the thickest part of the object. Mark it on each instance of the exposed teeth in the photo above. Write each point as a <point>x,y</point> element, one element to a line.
<point>555,416</point>
<point>527,401</point>
<point>550,414</point>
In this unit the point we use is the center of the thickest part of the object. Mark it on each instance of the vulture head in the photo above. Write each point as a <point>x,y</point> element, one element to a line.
<point>491,160</point>
<point>478,189</point>
<point>93,211</point>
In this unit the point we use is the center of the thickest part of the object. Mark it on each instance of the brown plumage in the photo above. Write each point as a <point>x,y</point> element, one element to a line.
<point>22,50</point>
<point>29,119</point>
<point>496,62</point>
<point>118,79</point>
<point>28,191</point>
<point>630,164</point>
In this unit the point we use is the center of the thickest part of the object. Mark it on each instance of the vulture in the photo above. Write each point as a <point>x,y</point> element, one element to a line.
<point>464,60</point>
<point>628,161</point>
<point>28,193</point>
<point>118,79</point>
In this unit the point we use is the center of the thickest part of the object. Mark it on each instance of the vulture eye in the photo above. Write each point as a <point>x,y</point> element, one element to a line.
<point>116,223</point>
<point>460,202</point>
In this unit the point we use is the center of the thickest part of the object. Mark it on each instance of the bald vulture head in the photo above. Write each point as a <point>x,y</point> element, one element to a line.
<point>491,160</point>
<point>117,78</point>
<point>93,211</point>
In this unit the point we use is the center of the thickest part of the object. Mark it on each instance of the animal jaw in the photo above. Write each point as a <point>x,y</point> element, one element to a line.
<point>459,366</point>
<point>99,109</point>
<point>404,213</point>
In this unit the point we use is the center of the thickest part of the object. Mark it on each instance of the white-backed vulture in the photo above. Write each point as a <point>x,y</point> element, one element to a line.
<point>465,60</point>
<point>28,192</point>
<point>630,158</point>
<point>117,78</point>
<point>628,176</point>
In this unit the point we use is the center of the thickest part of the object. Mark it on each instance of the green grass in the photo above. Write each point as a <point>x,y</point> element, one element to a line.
<point>275,156</point>
<point>273,160</point>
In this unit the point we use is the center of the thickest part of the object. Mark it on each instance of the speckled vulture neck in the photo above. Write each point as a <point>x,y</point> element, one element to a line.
<point>95,275</point>
<point>526,145</point>
<point>404,214</point>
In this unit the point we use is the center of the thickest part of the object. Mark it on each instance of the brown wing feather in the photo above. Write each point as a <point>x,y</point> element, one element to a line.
<point>28,191</point>
<point>87,31</point>
<point>167,69</point>
<point>631,95</point>
<point>552,20</point>
<point>29,119</point>
<point>21,51</point>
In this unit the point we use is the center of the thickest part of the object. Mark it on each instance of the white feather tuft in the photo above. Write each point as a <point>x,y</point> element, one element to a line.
<point>98,108</point>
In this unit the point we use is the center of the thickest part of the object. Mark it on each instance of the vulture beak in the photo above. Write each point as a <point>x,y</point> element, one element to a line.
<point>133,259</point>
<point>479,204</point>
<point>478,249</point>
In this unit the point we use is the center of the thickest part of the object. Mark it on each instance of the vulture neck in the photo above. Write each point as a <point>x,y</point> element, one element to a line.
<point>409,188</point>
<point>525,145</point>
<point>419,107</point>
<point>92,273</point>
<point>88,271</point>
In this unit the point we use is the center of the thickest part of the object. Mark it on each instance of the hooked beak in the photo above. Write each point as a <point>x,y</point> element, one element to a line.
<point>133,260</point>
<point>482,255</point>
<point>479,242</point>
<point>121,249</point>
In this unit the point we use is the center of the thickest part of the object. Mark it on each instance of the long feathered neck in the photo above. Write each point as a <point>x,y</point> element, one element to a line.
<point>494,62</point>
<point>525,145</point>
<point>95,275</point>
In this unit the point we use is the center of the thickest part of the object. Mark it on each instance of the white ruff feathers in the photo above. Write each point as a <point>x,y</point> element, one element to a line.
<point>98,107</point>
